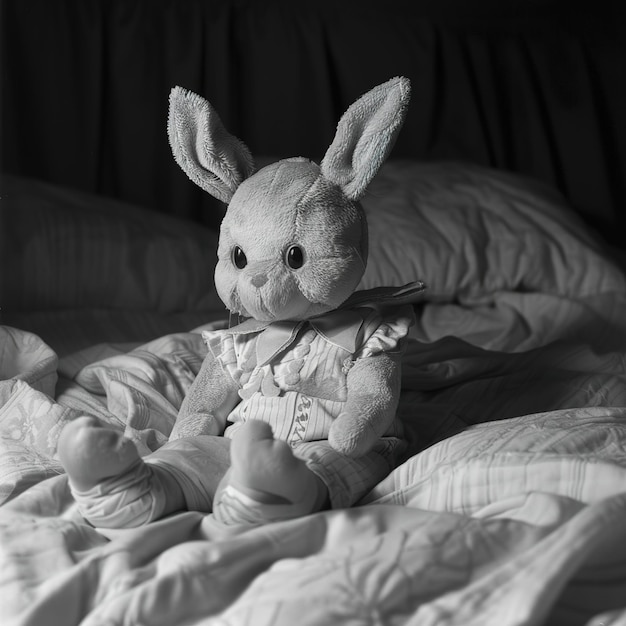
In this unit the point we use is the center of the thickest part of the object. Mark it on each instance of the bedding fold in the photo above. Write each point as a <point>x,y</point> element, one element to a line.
<point>514,520</point>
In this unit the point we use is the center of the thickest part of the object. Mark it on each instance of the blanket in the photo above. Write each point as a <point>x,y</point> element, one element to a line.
<point>500,515</point>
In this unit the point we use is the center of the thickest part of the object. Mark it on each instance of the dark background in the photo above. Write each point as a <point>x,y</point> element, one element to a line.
<point>529,86</point>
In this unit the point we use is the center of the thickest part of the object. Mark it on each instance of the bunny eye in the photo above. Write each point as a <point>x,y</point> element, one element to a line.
<point>238,258</point>
<point>294,257</point>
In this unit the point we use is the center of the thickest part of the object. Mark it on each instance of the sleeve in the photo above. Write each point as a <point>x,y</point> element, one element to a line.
<point>222,346</point>
<point>389,333</point>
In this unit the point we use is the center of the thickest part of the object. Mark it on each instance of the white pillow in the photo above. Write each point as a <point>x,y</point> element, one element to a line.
<point>576,453</point>
<point>469,232</point>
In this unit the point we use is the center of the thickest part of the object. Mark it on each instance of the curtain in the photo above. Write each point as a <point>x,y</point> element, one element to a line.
<point>536,88</point>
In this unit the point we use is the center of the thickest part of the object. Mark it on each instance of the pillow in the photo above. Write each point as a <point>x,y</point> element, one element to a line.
<point>575,453</point>
<point>73,250</point>
<point>469,232</point>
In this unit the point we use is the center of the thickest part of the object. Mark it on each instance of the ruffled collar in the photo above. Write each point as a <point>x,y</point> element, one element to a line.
<point>342,327</point>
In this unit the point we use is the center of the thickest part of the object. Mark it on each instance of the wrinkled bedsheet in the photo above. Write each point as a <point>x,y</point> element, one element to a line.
<point>511,508</point>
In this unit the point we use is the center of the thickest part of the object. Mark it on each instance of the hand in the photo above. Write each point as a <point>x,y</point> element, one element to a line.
<point>352,435</point>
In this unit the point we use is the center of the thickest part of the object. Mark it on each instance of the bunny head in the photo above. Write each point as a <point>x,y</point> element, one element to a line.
<point>293,242</point>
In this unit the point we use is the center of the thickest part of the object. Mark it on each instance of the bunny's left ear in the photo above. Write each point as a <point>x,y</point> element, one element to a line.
<point>365,135</point>
<point>212,158</point>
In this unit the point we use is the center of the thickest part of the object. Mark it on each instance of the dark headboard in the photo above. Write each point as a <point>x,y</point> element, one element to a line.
<point>537,87</point>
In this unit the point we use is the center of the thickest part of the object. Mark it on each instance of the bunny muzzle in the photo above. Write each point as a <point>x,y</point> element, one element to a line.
<point>265,293</point>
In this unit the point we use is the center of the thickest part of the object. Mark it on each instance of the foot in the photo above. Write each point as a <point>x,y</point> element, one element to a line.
<point>91,453</point>
<point>111,483</point>
<point>266,482</point>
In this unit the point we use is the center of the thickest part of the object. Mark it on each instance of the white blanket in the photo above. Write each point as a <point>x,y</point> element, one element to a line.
<point>506,522</point>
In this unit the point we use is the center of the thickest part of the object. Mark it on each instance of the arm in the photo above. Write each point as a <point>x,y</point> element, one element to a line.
<point>209,401</point>
<point>373,395</point>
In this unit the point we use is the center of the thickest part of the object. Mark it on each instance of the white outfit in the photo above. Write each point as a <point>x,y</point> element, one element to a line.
<point>293,375</point>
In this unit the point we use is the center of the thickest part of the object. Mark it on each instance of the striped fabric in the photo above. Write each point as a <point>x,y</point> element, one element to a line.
<point>575,453</point>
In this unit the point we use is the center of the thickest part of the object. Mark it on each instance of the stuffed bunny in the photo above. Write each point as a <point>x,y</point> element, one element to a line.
<point>307,385</point>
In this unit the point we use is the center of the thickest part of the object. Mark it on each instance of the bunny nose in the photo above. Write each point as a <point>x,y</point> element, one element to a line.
<point>258,280</point>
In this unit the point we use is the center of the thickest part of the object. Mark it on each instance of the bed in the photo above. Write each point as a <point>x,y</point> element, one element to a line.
<point>504,194</point>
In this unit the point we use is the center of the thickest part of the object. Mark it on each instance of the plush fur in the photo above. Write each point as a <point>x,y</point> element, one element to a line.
<point>212,157</point>
<point>291,203</point>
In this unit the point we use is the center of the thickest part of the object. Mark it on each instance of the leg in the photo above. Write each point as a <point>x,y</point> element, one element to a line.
<point>266,482</point>
<point>115,488</point>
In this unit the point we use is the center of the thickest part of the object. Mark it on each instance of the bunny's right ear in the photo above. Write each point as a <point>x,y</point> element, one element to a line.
<point>214,159</point>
